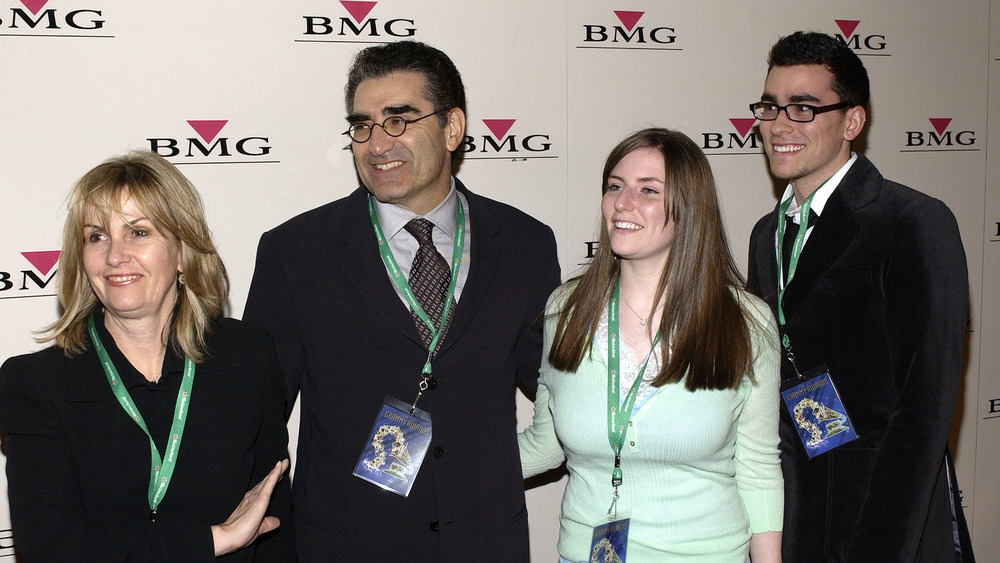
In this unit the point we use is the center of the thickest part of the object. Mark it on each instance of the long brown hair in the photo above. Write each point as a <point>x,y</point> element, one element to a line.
<point>705,333</point>
<point>175,209</point>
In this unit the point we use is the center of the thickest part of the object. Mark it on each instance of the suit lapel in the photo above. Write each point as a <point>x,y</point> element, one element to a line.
<point>836,228</point>
<point>767,260</point>
<point>357,256</point>
<point>484,257</point>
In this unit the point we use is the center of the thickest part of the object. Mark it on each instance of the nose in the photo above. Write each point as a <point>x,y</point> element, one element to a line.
<point>624,200</point>
<point>117,252</point>
<point>380,141</point>
<point>782,123</point>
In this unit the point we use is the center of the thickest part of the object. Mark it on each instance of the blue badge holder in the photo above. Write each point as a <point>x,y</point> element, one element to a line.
<point>818,413</point>
<point>609,542</point>
<point>396,447</point>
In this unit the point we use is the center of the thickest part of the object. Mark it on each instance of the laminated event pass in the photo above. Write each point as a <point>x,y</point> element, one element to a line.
<point>396,447</point>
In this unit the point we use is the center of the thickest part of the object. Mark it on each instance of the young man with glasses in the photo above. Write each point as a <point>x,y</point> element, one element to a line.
<point>404,313</point>
<point>871,297</point>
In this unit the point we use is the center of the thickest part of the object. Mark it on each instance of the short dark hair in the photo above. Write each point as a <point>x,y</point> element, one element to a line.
<point>850,79</point>
<point>444,83</point>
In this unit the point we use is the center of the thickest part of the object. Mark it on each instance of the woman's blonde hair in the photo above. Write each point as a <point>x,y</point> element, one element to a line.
<point>174,207</point>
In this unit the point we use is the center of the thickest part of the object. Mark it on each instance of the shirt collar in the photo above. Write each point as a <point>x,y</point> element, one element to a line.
<point>392,218</point>
<point>823,193</point>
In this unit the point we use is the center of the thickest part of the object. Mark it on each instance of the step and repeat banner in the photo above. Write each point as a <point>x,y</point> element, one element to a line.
<point>247,98</point>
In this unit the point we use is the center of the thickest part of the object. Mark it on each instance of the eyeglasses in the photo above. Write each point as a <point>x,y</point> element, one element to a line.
<point>393,126</point>
<point>801,113</point>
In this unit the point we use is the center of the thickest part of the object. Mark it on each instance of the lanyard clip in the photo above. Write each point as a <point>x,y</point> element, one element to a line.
<point>791,356</point>
<point>616,474</point>
<point>427,384</point>
<point>614,505</point>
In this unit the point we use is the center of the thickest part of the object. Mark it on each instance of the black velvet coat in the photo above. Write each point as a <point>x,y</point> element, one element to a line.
<point>880,296</point>
<point>345,341</point>
<point>78,465</point>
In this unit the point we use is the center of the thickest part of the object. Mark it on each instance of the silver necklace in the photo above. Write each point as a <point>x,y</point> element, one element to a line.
<point>642,321</point>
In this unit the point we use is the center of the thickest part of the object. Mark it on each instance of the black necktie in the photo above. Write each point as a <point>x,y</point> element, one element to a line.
<point>791,231</point>
<point>429,277</point>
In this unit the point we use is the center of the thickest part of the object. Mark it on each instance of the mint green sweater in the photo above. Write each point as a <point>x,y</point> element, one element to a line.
<point>701,469</point>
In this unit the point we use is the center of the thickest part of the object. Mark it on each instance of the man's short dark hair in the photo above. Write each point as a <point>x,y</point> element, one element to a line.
<point>444,84</point>
<point>850,79</point>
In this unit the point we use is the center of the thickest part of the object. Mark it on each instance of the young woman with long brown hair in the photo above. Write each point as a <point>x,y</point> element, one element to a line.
<point>660,389</point>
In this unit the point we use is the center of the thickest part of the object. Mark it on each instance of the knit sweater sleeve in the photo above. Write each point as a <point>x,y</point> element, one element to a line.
<point>758,469</point>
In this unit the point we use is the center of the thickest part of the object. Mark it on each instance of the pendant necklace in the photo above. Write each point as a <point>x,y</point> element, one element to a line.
<point>642,321</point>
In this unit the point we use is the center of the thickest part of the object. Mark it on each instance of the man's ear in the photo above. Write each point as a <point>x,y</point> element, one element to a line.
<point>455,128</point>
<point>856,117</point>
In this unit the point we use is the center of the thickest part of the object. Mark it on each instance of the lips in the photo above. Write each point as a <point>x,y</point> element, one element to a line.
<point>627,225</point>
<point>785,149</point>
<point>388,165</point>
<point>121,279</point>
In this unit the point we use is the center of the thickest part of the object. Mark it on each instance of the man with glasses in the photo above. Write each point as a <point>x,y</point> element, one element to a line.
<point>871,294</point>
<point>403,314</point>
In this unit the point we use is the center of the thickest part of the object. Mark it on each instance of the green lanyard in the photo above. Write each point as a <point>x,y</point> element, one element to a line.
<point>618,417</point>
<point>404,287</point>
<point>793,257</point>
<point>161,470</point>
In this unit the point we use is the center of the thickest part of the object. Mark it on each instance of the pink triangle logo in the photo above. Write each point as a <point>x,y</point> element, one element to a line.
<point>743,124</point>
<point>499,127</point>
<point>358,10</point>
<point>207,129</point>
<point>34,5</point>
<point>940,123</point>
<point>42,260</point>
<point>628,19</point>
<point>847,27</point>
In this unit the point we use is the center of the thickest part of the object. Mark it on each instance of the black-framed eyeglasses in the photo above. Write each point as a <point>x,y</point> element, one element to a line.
<point>801,113</point>
<point>394,126</point>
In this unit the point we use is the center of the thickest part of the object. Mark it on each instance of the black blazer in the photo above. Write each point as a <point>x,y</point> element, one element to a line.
<point>880,296</point>
<point>78,465</point>
<point>345,341</point>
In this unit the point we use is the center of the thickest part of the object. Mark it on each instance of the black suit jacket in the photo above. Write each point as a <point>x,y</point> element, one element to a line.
<point>346,340</point>
<point>78,465</point>
<point>880,296</point>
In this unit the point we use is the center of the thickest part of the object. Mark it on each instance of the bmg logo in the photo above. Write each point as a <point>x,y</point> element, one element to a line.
<point>367,27</point>
<point>32,282</point>
<point>498,142</point>
<point>628,34</point>
<point>209,143</point>
<point>872,45</point>
<point>940,139</point>
<point>51,19</point>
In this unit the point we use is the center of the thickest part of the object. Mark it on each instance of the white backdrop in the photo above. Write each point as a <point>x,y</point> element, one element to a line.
<point>248,98</point>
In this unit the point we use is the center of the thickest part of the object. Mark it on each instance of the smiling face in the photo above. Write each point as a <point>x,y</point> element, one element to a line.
<point>413,170</point>
<point>635,211</point>
<point>131,266</point>
<point>807,154</point>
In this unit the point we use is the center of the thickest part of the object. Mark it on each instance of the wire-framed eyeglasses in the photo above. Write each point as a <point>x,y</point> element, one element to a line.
<point>394,126</point>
